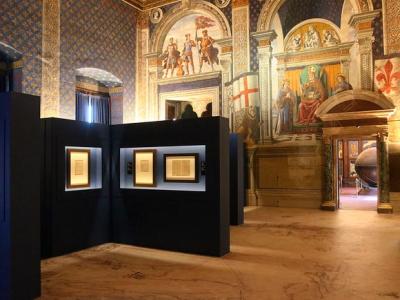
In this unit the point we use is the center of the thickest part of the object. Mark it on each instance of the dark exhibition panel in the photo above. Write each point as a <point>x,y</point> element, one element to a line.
<point>237,193</point>
<point>194,220</point>
<point>20,148</point>
<point>74,218</point>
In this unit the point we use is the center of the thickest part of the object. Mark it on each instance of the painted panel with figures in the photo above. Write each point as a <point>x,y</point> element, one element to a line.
<point>190,46</point>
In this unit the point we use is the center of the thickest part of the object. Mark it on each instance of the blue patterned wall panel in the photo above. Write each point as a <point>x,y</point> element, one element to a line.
<point>97,34</point>
<point>21,28</point>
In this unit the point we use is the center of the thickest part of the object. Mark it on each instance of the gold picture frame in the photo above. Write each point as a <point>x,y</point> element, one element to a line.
<point>181,167</point>
<point>78,168</point>
<point>144,168</point>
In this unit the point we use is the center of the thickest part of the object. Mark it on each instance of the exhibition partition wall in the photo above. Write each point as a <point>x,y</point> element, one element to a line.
<point>170,185</point>
<point>75,186</point>
<point>20,152</point>
<point>237,191</point>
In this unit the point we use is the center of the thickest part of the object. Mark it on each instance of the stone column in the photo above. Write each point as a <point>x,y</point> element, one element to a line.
<point>226,64</point>
<point>50,97</point>
<point>328,201</point>
<point>363,23</point>
<point>265,81</point>
<point>240,37</point>
<point>384,205</point>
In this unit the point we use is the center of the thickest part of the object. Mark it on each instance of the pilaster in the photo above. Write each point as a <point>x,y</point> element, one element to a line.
<point>264,49</point>
<point>142,47</point>
<point>384,205</point>
<point>251,194</point>
<point>154,71</point>
<point>50,97</point>
<point>240,37</point>
<point>226,64</point>
<point>329,202</point>
<point>363,23</point>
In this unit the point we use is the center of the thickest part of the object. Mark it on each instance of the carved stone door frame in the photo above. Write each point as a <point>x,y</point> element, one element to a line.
<point>353,122</point>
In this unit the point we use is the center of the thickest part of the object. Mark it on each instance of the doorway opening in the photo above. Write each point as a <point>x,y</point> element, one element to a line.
<point>175,108</point>
<point>357,169</point>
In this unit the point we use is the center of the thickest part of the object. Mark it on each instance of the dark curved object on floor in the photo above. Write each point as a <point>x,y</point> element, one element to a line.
<point>366,166</point>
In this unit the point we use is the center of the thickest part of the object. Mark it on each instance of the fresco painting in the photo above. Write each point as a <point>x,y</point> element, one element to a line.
<point>190,47</point>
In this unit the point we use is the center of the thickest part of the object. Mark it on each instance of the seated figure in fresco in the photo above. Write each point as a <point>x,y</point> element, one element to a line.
<point>313,94</point>
<point>329,38</point>
<point>341,84</point>
<point>188,53</point>
<point>208,53</point>
<point>312,39</point>
<point>284,106</point>
<point>170,57</point>
<point>295,43</point>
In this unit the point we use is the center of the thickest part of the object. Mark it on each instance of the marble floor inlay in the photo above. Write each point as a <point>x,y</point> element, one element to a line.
<point>277,254</point>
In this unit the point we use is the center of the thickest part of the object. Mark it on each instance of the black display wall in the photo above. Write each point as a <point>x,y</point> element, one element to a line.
<point>187,221</point>
<point>237,196</point>
<point>73,220</point>
<point>20,150</point>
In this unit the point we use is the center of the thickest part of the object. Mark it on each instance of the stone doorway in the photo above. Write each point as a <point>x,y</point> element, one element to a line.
<point>355,162</point>
<point>349,114</point>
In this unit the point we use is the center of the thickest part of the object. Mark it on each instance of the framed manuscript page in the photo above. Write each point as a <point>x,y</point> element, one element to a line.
<point>144,162</point>
<point>181,167</point>
<point>78,168</point>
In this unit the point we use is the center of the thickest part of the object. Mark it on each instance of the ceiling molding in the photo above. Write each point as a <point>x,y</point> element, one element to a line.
<point>144,5</point>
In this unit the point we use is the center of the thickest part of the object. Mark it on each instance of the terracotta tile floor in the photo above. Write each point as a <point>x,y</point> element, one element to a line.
<point>277,254</point>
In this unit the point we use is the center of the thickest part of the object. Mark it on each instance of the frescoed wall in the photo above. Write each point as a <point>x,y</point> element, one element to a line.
<point>190,46</point>
<point>280,62</point>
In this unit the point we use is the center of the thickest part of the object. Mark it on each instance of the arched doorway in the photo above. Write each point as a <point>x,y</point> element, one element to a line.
<point>355,114</point>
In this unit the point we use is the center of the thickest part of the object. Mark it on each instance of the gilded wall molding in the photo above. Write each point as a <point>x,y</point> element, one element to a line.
<point>50,97</point>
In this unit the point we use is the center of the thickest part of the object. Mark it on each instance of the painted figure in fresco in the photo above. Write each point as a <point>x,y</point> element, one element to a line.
<point>188,53</point>
<point>284,105</point>
<point>312,39</point>
<point>295,43</point>
<point>329,38</point>
<point>313,94</point>
<point>208,53</point>
<point>170,57</point>
<point>341,84</point>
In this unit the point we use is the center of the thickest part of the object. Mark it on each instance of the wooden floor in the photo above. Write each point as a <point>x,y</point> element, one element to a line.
<point>278,254</point>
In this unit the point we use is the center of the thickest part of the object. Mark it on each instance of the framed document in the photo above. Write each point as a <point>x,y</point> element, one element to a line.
<point>181,167</point>
<point>144,162</point>
<point>78,168</point>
